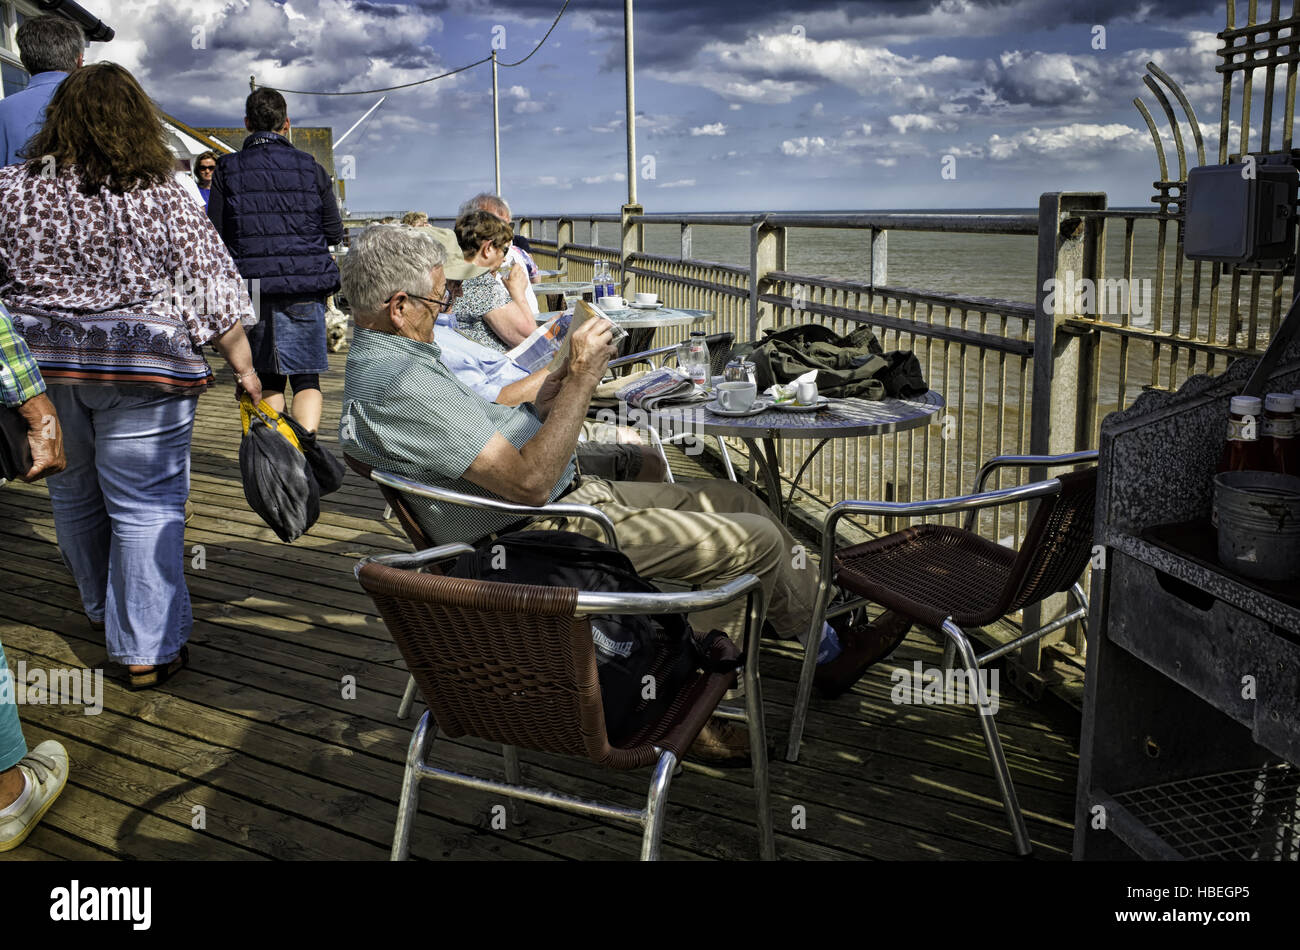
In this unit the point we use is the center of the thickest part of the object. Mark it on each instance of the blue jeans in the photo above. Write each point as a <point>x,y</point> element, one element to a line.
<point>119,510</point>
<point>12,744</point>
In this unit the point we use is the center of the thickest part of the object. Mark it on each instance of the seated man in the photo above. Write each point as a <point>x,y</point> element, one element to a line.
<point>613,452</point>
<point>405,412</point>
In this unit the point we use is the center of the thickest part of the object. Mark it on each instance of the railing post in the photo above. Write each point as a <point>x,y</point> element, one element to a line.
<point>766,254</point>
<point>1071,249</point>
<point>879,257</point>
<point>687,251</point>
<point>526,228</point>
<point>563,238</point>
<point>633,242</point>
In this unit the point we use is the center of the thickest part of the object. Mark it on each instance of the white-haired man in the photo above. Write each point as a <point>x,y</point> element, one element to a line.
<point>405,412</point>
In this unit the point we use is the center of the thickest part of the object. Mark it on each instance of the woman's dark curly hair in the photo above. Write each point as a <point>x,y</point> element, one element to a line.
<point>101,122</point>
<point>474,228</point>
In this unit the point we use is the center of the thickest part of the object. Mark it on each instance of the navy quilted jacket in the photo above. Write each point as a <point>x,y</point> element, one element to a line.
<point>274,207</point>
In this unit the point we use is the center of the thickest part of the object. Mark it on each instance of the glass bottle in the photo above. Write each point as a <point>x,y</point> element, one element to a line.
<point>699,365</point>
<point>1277,434</point>
<point>1243,451</point>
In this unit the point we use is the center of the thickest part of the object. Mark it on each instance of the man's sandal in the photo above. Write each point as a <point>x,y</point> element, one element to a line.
<point>159,674</point>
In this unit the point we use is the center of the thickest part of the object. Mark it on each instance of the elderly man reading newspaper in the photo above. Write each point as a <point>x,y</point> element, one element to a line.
<point>405,412</point>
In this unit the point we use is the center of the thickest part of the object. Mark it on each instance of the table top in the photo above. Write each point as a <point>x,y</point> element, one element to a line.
<point>542,272</point>
<point>842,419</point>
<point>565,287</point>
<point>633,319</point>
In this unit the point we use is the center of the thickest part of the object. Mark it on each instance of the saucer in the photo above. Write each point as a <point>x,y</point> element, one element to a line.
<point>821,403</point>
<point>760,405</point>
<point>646,306</point>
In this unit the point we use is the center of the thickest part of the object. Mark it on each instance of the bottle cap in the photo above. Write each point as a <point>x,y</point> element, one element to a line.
<point>1245,406</point>
<point>1279,402</point>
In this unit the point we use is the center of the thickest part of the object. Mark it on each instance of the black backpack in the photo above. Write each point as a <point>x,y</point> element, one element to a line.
<point>629,647</point>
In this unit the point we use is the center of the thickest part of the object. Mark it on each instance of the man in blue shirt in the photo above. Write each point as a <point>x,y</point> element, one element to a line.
<point>50,48</point>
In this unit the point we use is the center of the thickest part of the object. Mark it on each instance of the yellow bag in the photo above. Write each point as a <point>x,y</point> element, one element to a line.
<point>246,411</point>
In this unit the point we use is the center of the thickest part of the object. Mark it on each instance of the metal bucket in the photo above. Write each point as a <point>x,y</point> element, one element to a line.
<point>1258,515</point>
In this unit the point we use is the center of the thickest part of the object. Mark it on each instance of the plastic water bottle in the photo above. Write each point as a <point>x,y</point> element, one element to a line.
<point>610,289</point>
<point>699,364</point>
<point>598,278</point>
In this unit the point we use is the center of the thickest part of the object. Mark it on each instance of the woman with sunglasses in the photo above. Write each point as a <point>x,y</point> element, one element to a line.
<point>491,310</point>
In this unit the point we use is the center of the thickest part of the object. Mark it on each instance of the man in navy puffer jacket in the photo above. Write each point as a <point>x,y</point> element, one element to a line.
<point>274,207</point>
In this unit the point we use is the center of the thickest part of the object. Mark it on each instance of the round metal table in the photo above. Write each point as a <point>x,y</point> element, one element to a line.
<point>841,419</point>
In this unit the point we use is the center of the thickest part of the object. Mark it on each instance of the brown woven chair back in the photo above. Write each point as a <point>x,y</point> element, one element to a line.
<point>405,517</point>
<point>1058,544</point>
<point>507,663</point>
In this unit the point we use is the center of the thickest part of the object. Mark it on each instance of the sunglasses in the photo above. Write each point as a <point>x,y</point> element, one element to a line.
<point>207,168</point>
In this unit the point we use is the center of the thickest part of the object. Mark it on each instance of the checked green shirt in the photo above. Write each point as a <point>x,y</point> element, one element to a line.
<point>20,378</point>
<point>404,412</point>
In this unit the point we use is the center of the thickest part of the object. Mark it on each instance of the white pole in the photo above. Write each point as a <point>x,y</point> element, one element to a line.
<point>359,121</point>
<point>630,74</point>
<point>496,123</point>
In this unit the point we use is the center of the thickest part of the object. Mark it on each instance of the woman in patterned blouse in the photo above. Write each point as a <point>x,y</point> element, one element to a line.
<point>116,280</point>
<point>490,310</point>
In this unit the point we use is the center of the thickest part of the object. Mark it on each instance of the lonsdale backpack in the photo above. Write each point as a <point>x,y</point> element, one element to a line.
<point>629,647</point>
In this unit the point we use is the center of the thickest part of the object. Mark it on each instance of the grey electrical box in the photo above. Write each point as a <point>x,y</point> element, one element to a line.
<point>1242,213</point>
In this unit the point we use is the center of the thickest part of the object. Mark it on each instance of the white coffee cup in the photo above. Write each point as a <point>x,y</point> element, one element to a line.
<point>610,303</point>
<point>806,392</point>
<point>647,300</point>
<point>736,396</point>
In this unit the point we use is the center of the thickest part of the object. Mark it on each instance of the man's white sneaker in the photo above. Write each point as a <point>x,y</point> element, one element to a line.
<point>46,768</point>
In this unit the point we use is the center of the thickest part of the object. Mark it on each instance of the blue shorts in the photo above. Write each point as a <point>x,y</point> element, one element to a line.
<point>290,336</point>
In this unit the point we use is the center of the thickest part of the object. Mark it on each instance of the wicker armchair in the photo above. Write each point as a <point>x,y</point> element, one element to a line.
<point>391,487</point>
<point>514,664</point>
<point>949,578</point>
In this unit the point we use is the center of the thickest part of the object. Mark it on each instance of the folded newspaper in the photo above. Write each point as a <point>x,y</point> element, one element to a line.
<point>659,388</point>
<point>545,345</point>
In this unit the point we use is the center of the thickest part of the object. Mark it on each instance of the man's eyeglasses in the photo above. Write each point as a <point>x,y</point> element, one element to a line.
<point>443,302</point>
<point>207,168</point>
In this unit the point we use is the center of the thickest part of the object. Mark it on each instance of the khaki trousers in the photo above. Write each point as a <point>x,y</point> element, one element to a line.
<point>704,533</point>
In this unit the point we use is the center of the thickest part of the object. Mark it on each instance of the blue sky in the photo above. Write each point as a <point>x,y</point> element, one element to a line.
<point>754,105</point>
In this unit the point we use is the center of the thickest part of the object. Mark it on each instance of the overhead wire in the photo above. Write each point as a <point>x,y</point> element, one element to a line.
<point>420,82</point>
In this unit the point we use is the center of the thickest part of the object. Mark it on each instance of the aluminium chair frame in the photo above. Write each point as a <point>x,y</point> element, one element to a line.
<point>556,509</point>
<point>651,817</point>
<point>956,643</point>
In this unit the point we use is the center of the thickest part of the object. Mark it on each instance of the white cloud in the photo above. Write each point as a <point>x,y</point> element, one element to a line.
<point>1076,140</point>
<point>604,179</point>
<point>715,128</point>
<point>679,183</point>
<point>921,123</point>
<point>886,162</point>
<point>804,146</point>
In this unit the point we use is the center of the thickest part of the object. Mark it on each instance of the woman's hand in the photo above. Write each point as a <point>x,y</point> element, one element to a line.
<point>233,345</point>
<point>250,384</point>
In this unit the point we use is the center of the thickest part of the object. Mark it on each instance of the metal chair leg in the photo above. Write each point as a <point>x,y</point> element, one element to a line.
<point>408,698</point>
<point>804,695</point>
<point>409,801</point>
<point>656,803</point>
<point>513,776</point>
<point>949,653</point>
<point>758,755</point>
<point>726,458</point>
<point>1000,770</point>
<point>1082,599</point>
